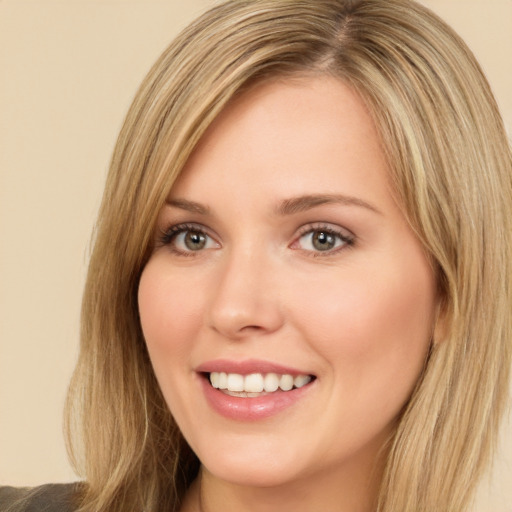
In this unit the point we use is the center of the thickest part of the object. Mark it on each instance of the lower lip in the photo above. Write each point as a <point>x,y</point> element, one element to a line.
<point>251,408</point>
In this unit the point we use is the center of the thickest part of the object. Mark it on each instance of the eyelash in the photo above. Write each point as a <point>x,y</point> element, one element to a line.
<point>347,240</point>
<point>168,235</point>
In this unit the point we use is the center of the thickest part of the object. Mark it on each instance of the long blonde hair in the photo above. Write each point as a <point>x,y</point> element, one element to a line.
<point>451,166</point>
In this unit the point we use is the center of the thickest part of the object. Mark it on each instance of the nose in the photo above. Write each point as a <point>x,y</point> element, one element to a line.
<point>246,300</point>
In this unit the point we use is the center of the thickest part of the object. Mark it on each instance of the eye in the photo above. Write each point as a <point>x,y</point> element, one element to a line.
<point>187,239</point>
<point>322,239</point>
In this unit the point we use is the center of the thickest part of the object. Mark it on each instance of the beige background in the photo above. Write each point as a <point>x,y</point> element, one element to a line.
<point>69,69</point>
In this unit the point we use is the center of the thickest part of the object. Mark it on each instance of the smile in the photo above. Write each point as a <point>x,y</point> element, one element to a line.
<point>256,384</point>
<point>252,389</point>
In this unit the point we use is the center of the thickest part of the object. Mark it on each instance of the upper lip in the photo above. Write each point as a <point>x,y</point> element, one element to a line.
<point>248,366</point>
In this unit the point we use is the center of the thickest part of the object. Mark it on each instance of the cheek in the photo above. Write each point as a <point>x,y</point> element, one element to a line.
<point>170,312</point>
<point>374,328</point>
<point>368,310</point>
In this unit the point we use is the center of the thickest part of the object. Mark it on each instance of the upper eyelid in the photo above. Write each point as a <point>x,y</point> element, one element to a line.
<point>168,238</point>
<point>166,234</point>
<point>174,229</point>
<point>186,226</point>
<point>327,226</point>
<point>345,235</point>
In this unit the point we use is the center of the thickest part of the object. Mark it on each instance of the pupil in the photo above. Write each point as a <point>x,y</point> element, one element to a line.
<point>323,241</point>
<point>195,241</point>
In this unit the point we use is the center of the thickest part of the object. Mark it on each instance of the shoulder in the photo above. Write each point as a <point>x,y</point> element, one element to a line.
<point>45,498</point>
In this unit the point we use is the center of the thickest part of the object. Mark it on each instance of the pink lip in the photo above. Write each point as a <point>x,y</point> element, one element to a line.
<point>247,367</point>
<point>249,408</point>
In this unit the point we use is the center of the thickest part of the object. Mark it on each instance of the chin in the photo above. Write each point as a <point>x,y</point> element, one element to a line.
<point>255,467</point>
<point>251,476</point>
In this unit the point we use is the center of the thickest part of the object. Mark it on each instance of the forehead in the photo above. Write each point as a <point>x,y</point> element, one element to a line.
<point>287,138</point>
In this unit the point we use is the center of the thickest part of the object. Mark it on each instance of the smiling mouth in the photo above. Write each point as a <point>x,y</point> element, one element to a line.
<point>256,384</point>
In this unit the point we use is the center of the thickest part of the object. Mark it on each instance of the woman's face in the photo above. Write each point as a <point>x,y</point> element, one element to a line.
<point>282,259</point>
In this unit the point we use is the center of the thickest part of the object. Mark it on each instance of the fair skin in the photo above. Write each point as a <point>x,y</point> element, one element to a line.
<point>281,249</point>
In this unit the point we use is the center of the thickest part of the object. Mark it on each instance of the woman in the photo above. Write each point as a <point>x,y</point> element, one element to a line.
<point>299,293</point>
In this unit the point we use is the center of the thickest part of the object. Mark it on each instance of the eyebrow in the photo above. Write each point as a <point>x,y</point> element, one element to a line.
<point>304,203</point>
<point>189,206</point>
<point>286,207</point>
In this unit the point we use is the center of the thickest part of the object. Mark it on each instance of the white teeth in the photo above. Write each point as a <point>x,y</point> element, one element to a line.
<point>256,383</point>
<point>301,380</point>
<point>235,382</point>
<point>271,382</point>
<point>223,380</point>
<point>253,383</point>
<point>286,382</point>
<point>214,379</point>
